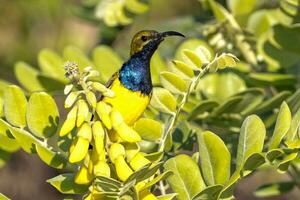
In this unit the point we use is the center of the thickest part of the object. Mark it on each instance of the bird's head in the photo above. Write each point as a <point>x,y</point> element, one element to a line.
<point>148,40</point>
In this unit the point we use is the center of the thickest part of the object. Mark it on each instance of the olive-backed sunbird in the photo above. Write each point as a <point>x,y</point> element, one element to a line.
<point>132,84</point>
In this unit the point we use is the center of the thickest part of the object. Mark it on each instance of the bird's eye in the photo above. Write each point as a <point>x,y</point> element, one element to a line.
<point>144,38</point>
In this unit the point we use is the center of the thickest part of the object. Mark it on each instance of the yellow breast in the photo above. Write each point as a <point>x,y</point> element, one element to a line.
<point>129,103</point>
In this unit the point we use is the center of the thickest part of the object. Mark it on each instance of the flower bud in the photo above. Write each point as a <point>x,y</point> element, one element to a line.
<point>71,98</point>
<point>79,151</point>
<point>91,98</point>
<point>98,86</point>
<point>83,176</point>
<point>146,195</point>
<point>131,150</point>
<point>85,131</point>
<point>103,110</point>
<point>99,135</point>
<point>69,123</point>
<point>116,119</point>
<point>101,168</point>
<point>83,112</point>
<point>68,88</point>
<point>138,161</point>
<point>127,133</point>
<point>116,150</point>
<point>122,168</point>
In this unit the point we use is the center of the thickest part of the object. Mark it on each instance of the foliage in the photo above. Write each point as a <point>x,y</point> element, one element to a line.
<point>240,119</point>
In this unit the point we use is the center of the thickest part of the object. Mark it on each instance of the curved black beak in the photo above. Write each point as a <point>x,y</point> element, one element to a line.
<point>170,33</point>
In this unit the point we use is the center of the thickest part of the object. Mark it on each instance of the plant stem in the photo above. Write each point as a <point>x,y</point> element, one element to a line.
<point>192,86</point>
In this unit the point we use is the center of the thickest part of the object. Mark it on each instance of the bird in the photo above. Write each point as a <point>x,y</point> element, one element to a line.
<point>132,84</point>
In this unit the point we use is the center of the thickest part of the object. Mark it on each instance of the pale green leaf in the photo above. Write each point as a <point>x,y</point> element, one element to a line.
<point>163,100</point>
<point>149,129</point>
<point>42,115</point>
<point>64,183</point>
<point>191,44</point>
<point>52,64</point>
<point>273,102</point>
<point>26,140</point>
<point>182,69</point>
<point>51,158</point>
<point>283,165</point>
<point>28,77</point>
<point>8,144</point>
<point>201,108</point>
<point>173,82</point>
<point>107,62</point>
<point>209,193</point>
<point>15,105</point>
<point>295,124</point>
<point>214,158</point>
<point>251,139</point>
<point>282,126</point>
<point>186,180</point>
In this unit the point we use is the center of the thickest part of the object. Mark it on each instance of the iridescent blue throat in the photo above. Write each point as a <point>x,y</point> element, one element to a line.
<point>135,73</point>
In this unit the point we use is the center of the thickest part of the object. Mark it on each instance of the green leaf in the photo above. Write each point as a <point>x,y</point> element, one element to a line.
<point>4,157</point>
<point>182,69</point>
<point>214,158</point>
<point>26,140</point>
<point>241,7</point>
<point>3,197</point>
<point>282,126</point>
<point>295,124</point>
<point>209,193</point>
<point>155,180</point>
<point>274,189</point>
<point>28,77</point>
<point>107,62</point>
<point>74,54</point>
<point>64,183</point>
<point>273,154</point>
<point>186,180</point>
<point>42,115</point>
<point>163,100</point>
<point>283,165</point>
<point>15,105</point>
<point>8,144</point>
<point>251,139</point>
<point>260,21</point>
<point>227,106</point>
<point>191,44</point>
<point>201,108</point>
<point>136,6</point>
<point>52,64</point>
<point>252,98</point>
<point>271,79</point>
<point>254,161</point>
<point>273,102</point>
<point>173,82</point>
<point>149,129</point>
<point>51,158</point>
<point>219,87</point>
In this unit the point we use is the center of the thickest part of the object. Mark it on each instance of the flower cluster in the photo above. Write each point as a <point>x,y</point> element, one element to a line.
<point>103,145</point>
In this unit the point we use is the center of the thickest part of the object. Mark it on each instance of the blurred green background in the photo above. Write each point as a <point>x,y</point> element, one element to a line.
<point>27,26</point>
